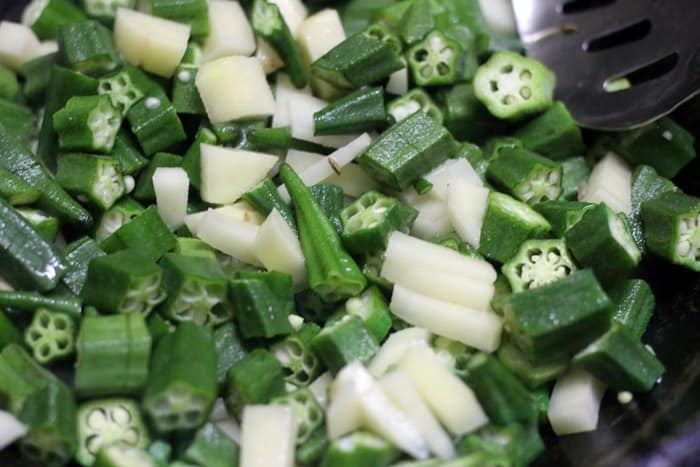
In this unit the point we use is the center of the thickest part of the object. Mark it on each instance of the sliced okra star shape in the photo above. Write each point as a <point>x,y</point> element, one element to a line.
<point>121,91</point>
<point>433,61</point>
<point>50,336</point>
<point>143,296</point>
<point>537,263</point>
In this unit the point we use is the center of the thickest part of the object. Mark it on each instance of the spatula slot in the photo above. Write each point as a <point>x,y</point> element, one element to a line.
<point>577,6</point>
<point>626,35</point>
<point>643,74</point>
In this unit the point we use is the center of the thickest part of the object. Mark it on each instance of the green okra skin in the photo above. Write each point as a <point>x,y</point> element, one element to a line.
<point>575,171</point>
<point>21,376</point>
<point>49,336</point>
<point>211,447</point>
<point>130,158</point>
<point>415,100</point>
<point>181,390</point>
<point>515,444</point>
<point>344,341</point>
<point>196,290</point>
<point>121,90</point>
<point>143,191</point>
<point>87,123</point>
<point>532,376</point>
<point>50,414</point>
<point>88,47</point>
<point>357,61</point>
<point>9,334</point>
<point>105,10</point>
<point>264,197</point>
<point>417,22</point>
<point>333,274</point>
<point>468,14</point>
<point>672,228</point>
<point>562,214</point>
<point>538,262</point>
<point>307,411</point>
<point>190,162</point>
<point>381,32</point>
<point>158,326</point>
<point>194,247</point>
<point>19,120</point>
<point>37,73</point>
<point>434,61</point>
<point>268,23</point>
<point>155,123</point>
<point>112,219</point>
<point>98,178</point>
<point>507,224</point>
<point>553,134</point>
<point>493,146</point>
<point>468,57</point>
<point>122,455</point>
<point>407,151</point>
<point>261,139</point>
<point>113,354</point>
<point>299,361</point>
<point>500,393</point>
<point>186,98</point>
<point>422,186</point>
<point>371,307</point>
<point>464,115</point>
<point>262,308</point>
<point>634,304</point>
<point>331,198</point>
<point>358,449</point>
<point>236,133</point>
<point>361,110</point>
<point>602,241</point>
<point>9,86</point>
<point>229,350</point>
<point>558,319</point>
<point>46,225</point>
<point>663,145</point>
<point>195,13</point>
<point>647,184</point>
<point>371,267</point>
<point>312,450</point>
<point>15,190</point>
<point>46,18</point>
<point>621,361</point>
<point>390,13</point>
<point>526,175</point>
<point>123,282</point>
<point>109,422</point>
<point>28,301</point>
<point>255,379</point>
<point>452,241</point>
<point>145,231</point>
<point>476,158</point>
<point>27,260</point>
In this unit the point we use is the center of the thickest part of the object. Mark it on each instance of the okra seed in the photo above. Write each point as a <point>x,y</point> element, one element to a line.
<point>494,86</point>
<point>508,100</point>
<point>507,69</point>
<point>525,92</point>
<point>443,69</point>
<point>526,75</point>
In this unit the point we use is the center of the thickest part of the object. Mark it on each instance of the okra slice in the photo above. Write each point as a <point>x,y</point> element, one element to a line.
<point>416,100</point>
<point>527,176</point>
<point>123,455</point>
<point>124,282</point>
<point>371,307</point>
<point>195,13</point>
<point>181,390</point>
<point>125,150</point>
<point>553,134</point>
<point>46,225</point>
<point>361,110</point>
<point>186,99</point>
<point>264,197</point>
<point>144,191</point>
<point>88,47</point>
<point>77,256</point>
<point>196,290</point>
<point>537,263</point>
<point>121,91</point>
<point>19,120</point>
<point>21,376</point>
<point>9,334</point>
<point>256,379</point>
<point>98,178</point>
<point>621,361</point>
<point>511,444</point>
<point>116,216</point>
<point>464,115</point>
<point>672,228</point>
<point>229,349</point>
<point>154,122</point>
<point>8,83</point>
<point>602,241</point>
<point>416,22</point>
<point>104,422</point>
<point>37,73</point>
<point>194,247</point>
<point>299,362</point>
<point>562,214</point>
<point>558,319</point>
<point>46,17</point>
<point>381,32</point>
<point>357,61</point>
<point>307,411</point>
<point>532,376</point>
<point>105,10</point>
<point>574,172</point>
<point>312,451</point>
<point>343,341</point>
<point>113,355</point>
<point>360,449</point>
<point>263,303</point>
<point>50,415</point>
<point>146,232</point>
<point>647,184</point>
<point>211,447</point>
<point>49,336</point>
<point>434,60</point>
<point>512,86</point>
<point>15,190</point>
<point>634,304</point>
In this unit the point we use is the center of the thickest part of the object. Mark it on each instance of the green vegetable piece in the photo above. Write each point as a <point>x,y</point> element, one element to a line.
<point>113,355</point>
<point>634,304</point>
<point>37,73</point>
<point>161,451</point>
<point>88,47</point>
<point>647,184</point>
<point>8,83</point>
<point>537,263</point>
<point>527,176</point>
<point>146,232</point>
<point>382,33</point>
<point>106,422</point>
<point>143,191</point>
<point>621,361</point>
<point>196,290</point>
<point>299,362</point>
<point>464,115</point>
<point>575,171</point>
<point>512,86</point>
<point>360,449</point>
<point>19,120</point>
<point>417,22</point>
<point>116,216</point>
<point>311,451</point>
<point>21,376</point>
<point>262,139</point>
<point>558,319</point>
<point>532,376</point>
<point>194,247</point>
<point>186,98</point>
<point>120,454</point>
<point>158,326</point>
<point>47,17</point>
<point>155,123</point>
<point>130,158</point>
<point>331,198</point>
<point>263,302</point>
<point>9,334</point>
<point>49,336</point>
<point>264,197</point>
<point>229,350</point>
<point>181,390</point>
<point>77,257</point>
<point>371,307</point>
<point>553,134</point>
<point>562,214</point>
<point>97,178</point>
<point>211,447</point>
<point>507,224</point>
<point>123,282</point>
<point>46,225</point>
<point>514,444</point>
<point>307,411</point>
<point>407,151</point>
<point>333,274</point>
<point>455,243</point>
<point>434,60</point>
<point>29,301</point>
<point>361,110</point>
<point>105,10</point>
<point>602,241</point>
<point>357,61</point>
<point>195,13</point>
<point>344,341</point>
<point>415,100</point>
<point>121,91</point>
<point>255,379</point>
<point>494,146</point>
<point>15,190</point>
<point>190,162</point>
<point>455,354</point>
<point>468,14</point>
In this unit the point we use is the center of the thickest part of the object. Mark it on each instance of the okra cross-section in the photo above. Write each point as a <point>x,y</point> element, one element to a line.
<point>50,335</point>
<point>416,100</point>
<point>344,341</point>
<point>299,362</point>
<point>97,178</point>
<point>255,379</point>
<point>88,47</point>
<point>87,123</point>
<point>121,91</point>
<point>537,263</point>
<point>263,303</point>
<point>527,176</point>
<point>435,60</point>
<point>308,412</point>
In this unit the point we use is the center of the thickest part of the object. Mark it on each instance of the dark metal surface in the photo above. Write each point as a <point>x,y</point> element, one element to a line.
<point>561,39</point>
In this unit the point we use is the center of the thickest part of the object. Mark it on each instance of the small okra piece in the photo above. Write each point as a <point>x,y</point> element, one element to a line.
<point>97,178</point>
<point>104,422</point>
<point>21,376</point>
<point>8,83</point>
<point>46,225</point>
<point>181,390</point>
<point>146,232</point>
<point>264,197</point>
<point>255,379</point>
<point>307,411</point>
<point>143,190</point>
<point>331,198</point>
<point>37,73</point>
<point>229,349</point>
<point>434,61</point>
<point>361,110</point>
<point>195,13</point>
<point>333,274</point>
<point>634,304</point>
<point>526,175</point>
<point>87,123</point>
<point>113,355</point>
<point>562,214</point>
<point>532,376</point>
<point>121,91</point>
<point>455,354</point>
<point>370,219</point>
<point>672,228</point>
<point>161,451</point>
<point>263,302</point>
<point>186,99</point>
<point>553,134</point>
<point>49,336</point>
<point>512,86</point>
<point>312,451</point>
<point>130,157</point>
<point>194,247</point>
<point>360,448</point>
<point>46,17</point>
<point>417,22</point>
<point>113,218</point>
<point>343,341</point>
<point>647,184</point>
<point>299,362</point>
<point>538,262</point>
<point>88,47</point>
<point>371,307</point>
<point>15,190</point>
<point>602,241</point>
<point>416,100</point>
<point>105,10</point>
<point>77,256</point>
<point>212,448</point>
<point>371,267</point>
<point>381,32</point>
<point>9,334</point>
<point>123,455</point>
<point>464,115</point>
<point>574,172</point>
<point>123,282</point>
<point>455,243</point>
<point>155,123</point>
<point>498,445</point>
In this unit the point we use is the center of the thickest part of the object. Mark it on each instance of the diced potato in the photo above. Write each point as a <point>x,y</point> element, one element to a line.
<point>12,429</point>
<point>466,209</point>
<point>317,35</point>
<point>575,403</point>
<point>610,183</point>
<point>395,347</point>
<point>283,90</point>
<point>230,236</point>
<point>319,388</point>
<point>155,44</point>
<point>234,88</point>
<point>268,436</point>
<point>398,82</point>
<point>449,172</point>
<point>242,211</point>
<point>278,249</point>
<point>353,179</point>
<point>229,31</point>
<point>268,57</point>
<point>18,44</point>
<point>171,185</point>
<point>432,221</point>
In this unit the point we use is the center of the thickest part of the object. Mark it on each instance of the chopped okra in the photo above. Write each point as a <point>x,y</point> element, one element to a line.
<point>50,336</point>
<point>434,60</point>
<point>537,263</point>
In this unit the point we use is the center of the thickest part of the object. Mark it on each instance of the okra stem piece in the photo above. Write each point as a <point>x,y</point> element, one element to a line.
<point>98,178</point>
<point>30,301</point>
<point>49,336</point>
<point>634,304</point>
<point>343,341</point>
<point>537,263</point>
<point>361,110</point>
<point>88,47</point>
<point>434,60</point>
<point>211,447</point>
<point>527,176</point>
<point>256,379</point>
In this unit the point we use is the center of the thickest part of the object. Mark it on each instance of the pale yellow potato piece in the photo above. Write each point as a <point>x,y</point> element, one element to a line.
<point>229,31</point>
<point>317,35</point>
<point>278,248</point>
<point>18,44</point>
<point>268,436</point>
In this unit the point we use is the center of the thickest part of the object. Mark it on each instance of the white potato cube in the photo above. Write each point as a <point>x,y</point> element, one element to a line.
<point>466,209</point>
<point>575,403</point>
<point>268,436</point>
<point>317,35</point>
<point>395,347</point>
<point>229,31</point>
<point>278,249</point>
<point>171,186</point>
<point>268,57</point>
<point>230,236</point>
<point>610,183</point>
<point>18,44</point>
